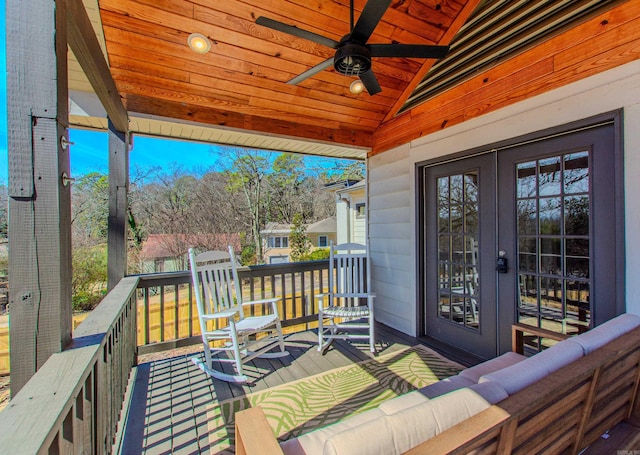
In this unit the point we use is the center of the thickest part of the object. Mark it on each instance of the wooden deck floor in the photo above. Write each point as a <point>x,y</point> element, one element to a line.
<point>171,395</point>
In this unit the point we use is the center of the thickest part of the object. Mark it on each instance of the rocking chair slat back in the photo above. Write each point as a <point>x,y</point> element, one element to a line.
<point>349,280</point>
<point>218,282</point>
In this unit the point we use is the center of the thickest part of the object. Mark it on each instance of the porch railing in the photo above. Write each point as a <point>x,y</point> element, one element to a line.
<point>167,313</point>
<point>74,403</point>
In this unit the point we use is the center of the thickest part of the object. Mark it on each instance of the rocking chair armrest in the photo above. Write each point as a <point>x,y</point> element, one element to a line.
<point>221,314</point>
<point>261,301</point>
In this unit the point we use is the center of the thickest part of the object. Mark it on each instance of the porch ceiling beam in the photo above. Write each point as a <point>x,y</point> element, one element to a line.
<point>85,46</point>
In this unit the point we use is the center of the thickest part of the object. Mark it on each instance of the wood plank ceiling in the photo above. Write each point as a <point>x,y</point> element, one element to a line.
<point>241,82</point>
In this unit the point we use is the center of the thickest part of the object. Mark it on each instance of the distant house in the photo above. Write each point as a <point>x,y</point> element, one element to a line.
<point>275,239</point>
<point>168,252</point>
<point>351,210</point>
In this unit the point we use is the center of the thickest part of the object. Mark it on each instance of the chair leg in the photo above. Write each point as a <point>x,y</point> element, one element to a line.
<point>320,332</point>
<point>372,335</point>
<point>280,337</point>
<point>207,353</point>
<point>236,350</point>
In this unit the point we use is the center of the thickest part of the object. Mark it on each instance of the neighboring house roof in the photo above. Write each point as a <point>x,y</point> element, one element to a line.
<point>341,184</point>
<point>159,246</point>
<point>276,228</point>
<point>356,186</point>
<point>326,225</point>
<point>322,226</point>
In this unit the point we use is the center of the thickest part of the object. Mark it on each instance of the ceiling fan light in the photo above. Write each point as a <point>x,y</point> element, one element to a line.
<point>356,87</point>
<point>199,43</point>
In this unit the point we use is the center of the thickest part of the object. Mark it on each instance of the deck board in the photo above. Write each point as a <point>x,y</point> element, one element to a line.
<point>171,396</point>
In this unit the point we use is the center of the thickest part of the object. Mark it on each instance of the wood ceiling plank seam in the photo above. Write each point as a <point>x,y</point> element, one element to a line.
<point>288,39</point>
<point>392,17</point>
<point>147,43</point>
<point>243,26</point>
<point>211,115</point>
<point>622,35</point>
<point>232,87</point>
<point>459,21</point>
<point>226,87</point>
<point>206,93</point>
<point>151,44</point>
<point>184,8</point>
<point>352,137</point>
<point>260,111</point>
<point>335,22</point>
<point>218,34</point>
<point>559,19</point>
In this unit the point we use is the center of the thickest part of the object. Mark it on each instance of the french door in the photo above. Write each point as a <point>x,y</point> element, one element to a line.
<point>530,233</point>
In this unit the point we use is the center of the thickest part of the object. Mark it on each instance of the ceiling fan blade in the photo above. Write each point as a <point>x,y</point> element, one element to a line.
<point>408,50</point>
<point>311,72</point>
<point>370,82</point>
<point>368,20</point>
<point>295,31</point>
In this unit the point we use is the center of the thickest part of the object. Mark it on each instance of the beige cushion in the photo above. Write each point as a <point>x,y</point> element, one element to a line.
<point>498,363</point>
<point>405,401</point>
<point>313,442</point>
<point>399,432</point>
<point>445,386</point>
<point>522,374</point>
<point>607,332</point>
<point>490,391</point>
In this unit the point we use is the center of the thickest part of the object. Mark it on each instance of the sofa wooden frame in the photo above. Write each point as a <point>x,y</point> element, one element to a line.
<point>563,413</point>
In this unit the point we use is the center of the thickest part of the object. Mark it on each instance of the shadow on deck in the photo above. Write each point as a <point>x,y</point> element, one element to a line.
<point>171,395</point>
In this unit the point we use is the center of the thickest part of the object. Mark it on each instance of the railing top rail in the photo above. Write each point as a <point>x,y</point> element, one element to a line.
<point>33,417</point>
<point>181,277</point>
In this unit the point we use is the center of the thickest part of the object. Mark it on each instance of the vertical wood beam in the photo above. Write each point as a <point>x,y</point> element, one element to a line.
<point>39,203</point>
<point>118,205</point>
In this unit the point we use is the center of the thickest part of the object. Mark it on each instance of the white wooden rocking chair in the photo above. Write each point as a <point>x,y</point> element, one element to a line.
<point>224,326</point>
<point>348,313</point>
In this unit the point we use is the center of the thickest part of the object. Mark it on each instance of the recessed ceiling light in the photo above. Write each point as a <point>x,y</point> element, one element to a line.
<point>199,43</point>
<point>356,87</point>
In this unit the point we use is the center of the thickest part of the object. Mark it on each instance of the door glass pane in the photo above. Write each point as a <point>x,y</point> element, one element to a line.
<point>576,173</point>
<point>526,185</point>
<point>576,213</point>
<point>552,209</point>
<point>458,211</point>
<point>527,216</point>
<point>549,177</point>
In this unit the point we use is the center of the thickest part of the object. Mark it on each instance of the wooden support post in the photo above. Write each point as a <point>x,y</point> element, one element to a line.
<point>39,202</point>
<point>118,205</point>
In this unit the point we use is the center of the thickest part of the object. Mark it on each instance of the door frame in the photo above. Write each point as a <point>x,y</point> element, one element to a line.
<point>618,290</point>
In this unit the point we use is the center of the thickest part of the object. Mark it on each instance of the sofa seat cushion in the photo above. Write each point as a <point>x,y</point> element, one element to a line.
<point>522,374</point>
<point>399,432</point>
<point>607,332</point>
<point>505,360</point>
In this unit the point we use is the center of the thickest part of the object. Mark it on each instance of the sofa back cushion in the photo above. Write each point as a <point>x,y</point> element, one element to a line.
<point>607,332</point>
<point>522,374</point>
<point>399,432</point>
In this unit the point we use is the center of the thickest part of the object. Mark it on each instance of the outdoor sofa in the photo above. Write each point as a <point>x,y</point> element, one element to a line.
<point>559,400</point>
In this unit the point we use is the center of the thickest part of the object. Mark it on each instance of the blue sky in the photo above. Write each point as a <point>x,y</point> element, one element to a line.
<point>89,152</point>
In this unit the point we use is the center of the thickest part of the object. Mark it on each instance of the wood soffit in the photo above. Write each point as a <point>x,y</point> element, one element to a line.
<point>240,83</point>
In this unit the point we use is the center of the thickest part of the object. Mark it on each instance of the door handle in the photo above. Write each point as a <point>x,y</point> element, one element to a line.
<point>502,264</point>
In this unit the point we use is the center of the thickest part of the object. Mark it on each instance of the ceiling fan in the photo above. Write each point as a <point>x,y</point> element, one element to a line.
<point>353,54</point>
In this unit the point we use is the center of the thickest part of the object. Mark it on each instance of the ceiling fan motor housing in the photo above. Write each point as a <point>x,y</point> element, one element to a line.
<point>352,59</point>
